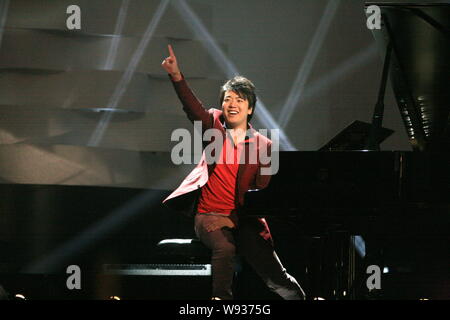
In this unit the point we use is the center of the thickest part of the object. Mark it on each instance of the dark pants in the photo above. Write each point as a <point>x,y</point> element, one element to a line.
<point>257,251</point>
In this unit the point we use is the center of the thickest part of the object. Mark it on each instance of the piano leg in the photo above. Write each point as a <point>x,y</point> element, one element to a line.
<point>342,264</point>
<point>373,258</point>
<point>314,269</point>
<point>331,268</point>
<point>361,270</point>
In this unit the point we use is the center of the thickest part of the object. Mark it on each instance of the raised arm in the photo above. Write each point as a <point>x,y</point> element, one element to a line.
<point>191,105</point>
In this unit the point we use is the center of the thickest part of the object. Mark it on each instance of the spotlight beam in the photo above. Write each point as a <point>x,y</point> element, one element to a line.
<point>336,75</point>
<point>112,53</point>
<point>128,74</point>
<point>228,67</point>
<point>298,86</point>
<point>56,259</point>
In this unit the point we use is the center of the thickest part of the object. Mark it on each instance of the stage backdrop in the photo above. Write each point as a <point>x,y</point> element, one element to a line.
<point>92,106</point>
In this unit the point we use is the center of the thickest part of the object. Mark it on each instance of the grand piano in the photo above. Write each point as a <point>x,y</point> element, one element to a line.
<point>359,205</point>
<point>381,204</point>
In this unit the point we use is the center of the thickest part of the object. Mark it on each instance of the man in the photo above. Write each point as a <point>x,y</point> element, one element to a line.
<point>215,191</point>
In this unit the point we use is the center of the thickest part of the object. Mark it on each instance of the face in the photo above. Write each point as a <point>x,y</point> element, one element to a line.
<point>235,110</point>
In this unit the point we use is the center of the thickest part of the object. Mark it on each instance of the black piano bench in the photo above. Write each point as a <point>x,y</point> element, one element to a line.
<point>183,251</point>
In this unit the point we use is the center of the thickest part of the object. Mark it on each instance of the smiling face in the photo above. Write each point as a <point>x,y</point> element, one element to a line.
<point>235,110</point>
<point>238,100</point>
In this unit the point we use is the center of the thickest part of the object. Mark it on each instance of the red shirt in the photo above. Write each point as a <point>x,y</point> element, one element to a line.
<point>219,193</point>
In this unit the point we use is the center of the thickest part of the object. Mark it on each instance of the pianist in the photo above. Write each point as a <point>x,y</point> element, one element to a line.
<point>215,191</point>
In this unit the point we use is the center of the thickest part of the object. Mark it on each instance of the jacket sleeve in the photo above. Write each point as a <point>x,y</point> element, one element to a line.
<point>191,105</point>
<point>262,180</point>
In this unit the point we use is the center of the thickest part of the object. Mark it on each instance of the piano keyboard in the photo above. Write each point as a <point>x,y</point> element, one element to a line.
<point>158,269</point>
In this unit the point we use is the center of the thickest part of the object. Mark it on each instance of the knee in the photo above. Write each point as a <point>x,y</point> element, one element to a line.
<point>225,250</point>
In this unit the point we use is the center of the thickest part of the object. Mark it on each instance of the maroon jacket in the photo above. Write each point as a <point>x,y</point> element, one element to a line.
<point>184,198</point>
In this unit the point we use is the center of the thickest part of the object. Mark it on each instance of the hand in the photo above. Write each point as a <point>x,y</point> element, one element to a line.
<point>170,64</point>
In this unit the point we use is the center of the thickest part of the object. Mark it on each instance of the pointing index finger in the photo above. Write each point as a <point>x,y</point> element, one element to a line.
<point>172,54</point>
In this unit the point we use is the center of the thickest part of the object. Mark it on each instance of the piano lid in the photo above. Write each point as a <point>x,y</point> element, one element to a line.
<point>420,68</point>
<point>354,137</point>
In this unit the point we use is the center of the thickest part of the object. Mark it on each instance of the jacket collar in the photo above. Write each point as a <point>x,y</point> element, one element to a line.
<point>250,134</point>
